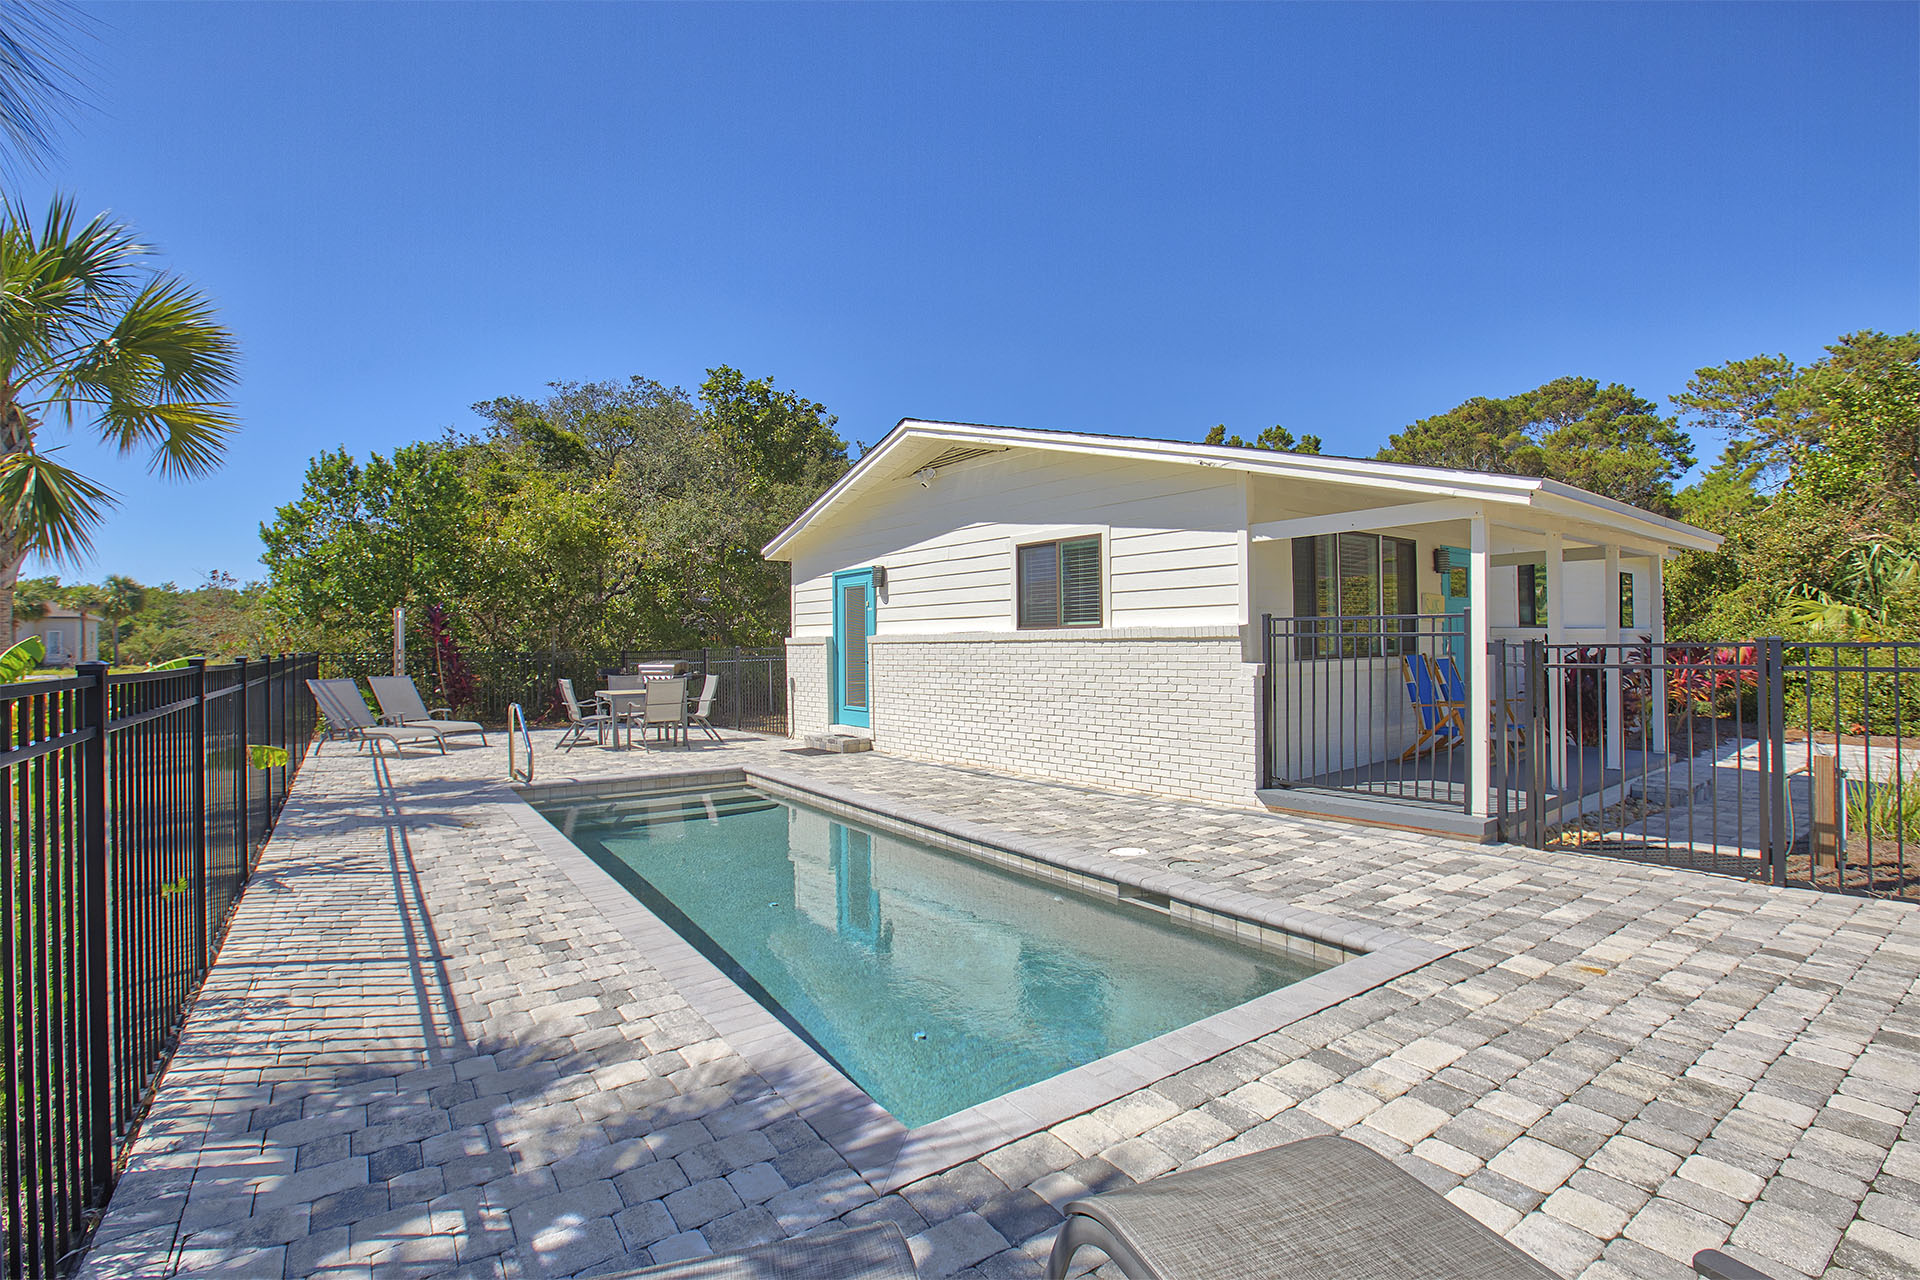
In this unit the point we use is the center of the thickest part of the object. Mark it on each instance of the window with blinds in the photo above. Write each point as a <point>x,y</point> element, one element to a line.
<point>1367,582</point>
<point>1058,583</point>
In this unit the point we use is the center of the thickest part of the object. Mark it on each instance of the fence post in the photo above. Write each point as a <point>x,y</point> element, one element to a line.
<point>1780,819</point>
<point>1265,709</point>
<point>95,707</point>
<point>266,732</point>
<point>197,816</point>
<point>1540,743</point>
<point>241,787</point>
<point>1498,722</point>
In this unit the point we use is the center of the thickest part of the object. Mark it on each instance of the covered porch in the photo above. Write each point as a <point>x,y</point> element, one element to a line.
<point>1395,669</point>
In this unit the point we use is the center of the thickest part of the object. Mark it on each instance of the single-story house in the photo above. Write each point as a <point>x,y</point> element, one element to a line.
<point>68,640</point>
<point>1132,612</point>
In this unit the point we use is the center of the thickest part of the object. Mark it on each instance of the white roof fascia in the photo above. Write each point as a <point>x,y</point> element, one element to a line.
<point>1524,491</point>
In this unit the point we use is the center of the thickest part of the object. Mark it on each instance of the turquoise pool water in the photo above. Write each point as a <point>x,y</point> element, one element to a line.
<point>934,982</point>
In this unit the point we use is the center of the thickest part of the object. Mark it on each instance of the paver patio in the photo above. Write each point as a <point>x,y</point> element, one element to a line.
<point>422,1053</point>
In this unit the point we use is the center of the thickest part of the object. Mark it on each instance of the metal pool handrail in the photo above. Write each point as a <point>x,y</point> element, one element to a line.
<point>515,715</point>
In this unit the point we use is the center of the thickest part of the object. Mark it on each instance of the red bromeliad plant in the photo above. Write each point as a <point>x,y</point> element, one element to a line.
<point>1710,677</point>
<point>456,680</point>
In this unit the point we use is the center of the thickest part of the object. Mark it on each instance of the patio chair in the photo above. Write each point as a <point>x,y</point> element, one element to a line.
<point>666,709</point>
<point>697,715</point>
<point>1321,1209</point>
<point>876,1252</point>
<point>400,703</point>
<point>1454,688</point>
<point>1440,722</point>
<point>348,717</point>
<point>578,721</point>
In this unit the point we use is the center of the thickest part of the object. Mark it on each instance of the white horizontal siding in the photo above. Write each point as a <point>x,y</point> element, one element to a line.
<point>1171,548</point>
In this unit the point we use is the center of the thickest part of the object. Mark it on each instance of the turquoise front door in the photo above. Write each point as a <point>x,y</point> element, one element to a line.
<point>1453,585</point>
<point>853,614</point>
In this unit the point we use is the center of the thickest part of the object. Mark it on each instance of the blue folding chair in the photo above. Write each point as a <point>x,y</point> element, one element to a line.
<point>1440,722</point>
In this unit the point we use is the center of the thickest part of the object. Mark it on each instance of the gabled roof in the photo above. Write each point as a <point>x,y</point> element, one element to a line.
<point>913,443</point>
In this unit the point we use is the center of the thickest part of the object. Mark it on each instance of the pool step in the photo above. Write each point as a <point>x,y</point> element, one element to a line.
<point>838,742</point>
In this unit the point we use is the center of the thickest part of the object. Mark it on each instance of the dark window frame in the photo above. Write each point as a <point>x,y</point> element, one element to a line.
<point>1533,595</point>
<point>1391,559</point>
<point>1059,619</point>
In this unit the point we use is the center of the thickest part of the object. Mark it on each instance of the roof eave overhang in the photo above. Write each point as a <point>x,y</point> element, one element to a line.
<point>1550,497</point>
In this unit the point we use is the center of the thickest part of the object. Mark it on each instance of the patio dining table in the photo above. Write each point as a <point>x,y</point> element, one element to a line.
<point>620,705</point>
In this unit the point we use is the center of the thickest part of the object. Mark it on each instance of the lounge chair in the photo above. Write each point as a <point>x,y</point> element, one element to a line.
<point>697,715</point>
<point>877,1252</point>
<point>578,722</point>
<point>1321,1209</point>
<point>1440,722</point>
<point>348,717</point>
<point>666,709</point>
<point>400,703</point>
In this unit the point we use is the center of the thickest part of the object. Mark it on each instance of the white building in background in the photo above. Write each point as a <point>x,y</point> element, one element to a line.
<point>61,631</point>
<point>1091,609</point>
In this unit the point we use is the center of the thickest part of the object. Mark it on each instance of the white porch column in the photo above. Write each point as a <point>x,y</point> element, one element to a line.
<point>1657,631</point>
<point>1556,682</point>
<point>1613,738</point>
<point>1480,674</point>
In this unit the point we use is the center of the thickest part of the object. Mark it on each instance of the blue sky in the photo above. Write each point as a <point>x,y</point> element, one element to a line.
<point>1124,218</point>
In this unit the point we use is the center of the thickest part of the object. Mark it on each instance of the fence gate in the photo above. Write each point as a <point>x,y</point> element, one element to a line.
<point>1785,762</point>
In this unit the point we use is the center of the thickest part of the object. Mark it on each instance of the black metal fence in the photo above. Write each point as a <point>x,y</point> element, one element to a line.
<point>751,694</point>
<point>136,805</point>
<point>1341,716</point>
<point>1790,762</point>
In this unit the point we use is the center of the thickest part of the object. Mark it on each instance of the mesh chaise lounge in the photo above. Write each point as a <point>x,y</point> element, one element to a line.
<point>1321,1209</point>
<point>400,703</point>
<point>348,717</point>
<point>878,1252</point>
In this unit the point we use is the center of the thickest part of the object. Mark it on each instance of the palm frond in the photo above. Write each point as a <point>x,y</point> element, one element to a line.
<point>51,510</point>
<point>38,88</point>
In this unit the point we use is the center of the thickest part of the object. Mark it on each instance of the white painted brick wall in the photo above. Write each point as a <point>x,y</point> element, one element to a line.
<point>1167,714</point>
<point>807,687</point>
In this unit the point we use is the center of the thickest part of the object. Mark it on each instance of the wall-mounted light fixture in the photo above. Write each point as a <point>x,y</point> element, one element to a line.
<point>879,577</point>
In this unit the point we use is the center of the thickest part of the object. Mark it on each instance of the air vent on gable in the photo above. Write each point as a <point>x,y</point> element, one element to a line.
<point>961,453</point>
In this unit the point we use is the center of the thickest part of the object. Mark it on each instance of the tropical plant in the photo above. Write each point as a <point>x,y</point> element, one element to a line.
<point>22,659</point>
<point>92,338</point>
<point>1884,807</point>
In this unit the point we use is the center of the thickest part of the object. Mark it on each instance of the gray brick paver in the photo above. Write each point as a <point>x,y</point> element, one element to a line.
<point>1619,1063</point>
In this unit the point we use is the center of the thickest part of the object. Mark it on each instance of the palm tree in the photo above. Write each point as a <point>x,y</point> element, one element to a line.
<point>91,337</point>
<point>86,600</point>
<point>124,597</point>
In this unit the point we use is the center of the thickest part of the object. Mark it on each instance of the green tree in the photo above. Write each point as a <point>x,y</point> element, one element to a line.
<point>1606,440</point>
<point>1818,496</point>
<point>771,436</point>
<point>363,538</point>
<point>89,336</point>
<point>1275,437</point>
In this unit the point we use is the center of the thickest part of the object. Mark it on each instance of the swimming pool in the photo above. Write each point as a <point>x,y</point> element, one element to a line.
<point>932,980</point>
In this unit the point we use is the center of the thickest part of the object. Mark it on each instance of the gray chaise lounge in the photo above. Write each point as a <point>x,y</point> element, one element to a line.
<point>1321,1209</point>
